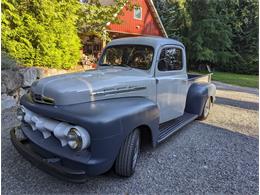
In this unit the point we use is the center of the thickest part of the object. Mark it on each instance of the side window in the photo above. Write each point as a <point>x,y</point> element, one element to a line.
<point>170,59</point>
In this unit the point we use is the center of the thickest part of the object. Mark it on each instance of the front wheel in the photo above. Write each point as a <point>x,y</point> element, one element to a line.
<point>206,110</point>
<point>127,158</point>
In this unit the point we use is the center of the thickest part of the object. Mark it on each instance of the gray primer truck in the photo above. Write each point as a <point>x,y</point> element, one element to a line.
<point>83,124</point>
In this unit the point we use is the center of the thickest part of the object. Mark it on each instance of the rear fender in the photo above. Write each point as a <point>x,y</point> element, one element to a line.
<point>197,96</point>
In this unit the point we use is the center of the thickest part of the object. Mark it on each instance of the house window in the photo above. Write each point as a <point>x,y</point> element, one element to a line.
<point>138,13</point>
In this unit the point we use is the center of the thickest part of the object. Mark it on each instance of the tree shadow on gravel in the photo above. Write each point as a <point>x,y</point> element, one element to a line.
<point>237,103</point>
<point>226,87</point>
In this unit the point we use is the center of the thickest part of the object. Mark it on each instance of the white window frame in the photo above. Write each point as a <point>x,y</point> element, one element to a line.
<point>141,13</point>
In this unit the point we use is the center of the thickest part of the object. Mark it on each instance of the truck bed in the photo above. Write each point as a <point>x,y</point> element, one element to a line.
<point>194,77</point>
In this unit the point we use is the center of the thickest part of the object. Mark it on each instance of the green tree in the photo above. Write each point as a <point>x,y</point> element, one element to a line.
<point>175,17</point>
<point>223,34</point>
<point>41,33</point>
<point>209,35</point>
<point>243,19</point>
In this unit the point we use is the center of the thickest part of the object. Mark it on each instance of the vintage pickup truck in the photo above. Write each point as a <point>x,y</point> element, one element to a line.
<point>83,124</point>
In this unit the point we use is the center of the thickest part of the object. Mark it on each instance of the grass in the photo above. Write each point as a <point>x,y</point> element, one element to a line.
<point>236,79</point>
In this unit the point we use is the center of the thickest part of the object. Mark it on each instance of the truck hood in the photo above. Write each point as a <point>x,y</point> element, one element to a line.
<point>103,83</point>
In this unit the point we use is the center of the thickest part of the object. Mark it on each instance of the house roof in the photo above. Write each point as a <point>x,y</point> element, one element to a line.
<point>157,17</point>
<point>152,9</point>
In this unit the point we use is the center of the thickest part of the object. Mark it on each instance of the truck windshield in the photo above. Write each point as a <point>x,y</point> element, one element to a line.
<point>134,56</point>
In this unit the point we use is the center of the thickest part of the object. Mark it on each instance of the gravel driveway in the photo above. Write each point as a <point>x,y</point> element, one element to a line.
<point>219,155</point>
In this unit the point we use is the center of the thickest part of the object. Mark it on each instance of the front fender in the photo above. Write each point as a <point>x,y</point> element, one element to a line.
<point>107,121</point>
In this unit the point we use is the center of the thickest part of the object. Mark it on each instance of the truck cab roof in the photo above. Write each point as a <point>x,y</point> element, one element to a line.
<point>154,41</point>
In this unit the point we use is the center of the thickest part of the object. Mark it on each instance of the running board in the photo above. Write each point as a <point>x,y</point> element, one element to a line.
<point>168,128</point>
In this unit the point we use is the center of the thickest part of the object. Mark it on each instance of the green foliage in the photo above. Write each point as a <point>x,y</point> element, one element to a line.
<point>243,18</point>
<point>174,17</point>
<point>223,34</point>
<point>46,33</point>
<point>41,33</point>
<point>209,36</point>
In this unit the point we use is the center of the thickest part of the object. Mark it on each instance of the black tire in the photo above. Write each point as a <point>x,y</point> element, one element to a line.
<point>128,154</point>
<point>206,110</point>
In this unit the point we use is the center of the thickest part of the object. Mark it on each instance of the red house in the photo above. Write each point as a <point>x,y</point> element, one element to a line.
<point>142,20</point>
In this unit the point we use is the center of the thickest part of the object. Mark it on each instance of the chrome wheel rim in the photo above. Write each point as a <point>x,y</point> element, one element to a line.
<point>136,152</point>
<point>207,108</point>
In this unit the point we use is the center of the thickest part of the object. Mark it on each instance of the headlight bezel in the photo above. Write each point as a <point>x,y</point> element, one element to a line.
<point>74,136</point>
<point>81,136</point>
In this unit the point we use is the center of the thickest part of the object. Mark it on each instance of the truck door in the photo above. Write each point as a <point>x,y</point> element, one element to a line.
<point>172,82</point>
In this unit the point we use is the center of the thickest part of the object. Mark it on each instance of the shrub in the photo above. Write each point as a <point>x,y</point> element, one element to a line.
<point>41,33</point>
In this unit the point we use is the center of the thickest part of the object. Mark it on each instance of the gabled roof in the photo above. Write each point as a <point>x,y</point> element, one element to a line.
<point>157,17</point>
<point>152,9</point>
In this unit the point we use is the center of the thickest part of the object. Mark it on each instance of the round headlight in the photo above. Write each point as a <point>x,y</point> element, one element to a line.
<point>74,139</point>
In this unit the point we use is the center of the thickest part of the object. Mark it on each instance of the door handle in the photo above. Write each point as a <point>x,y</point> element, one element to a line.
<point>156,81</point>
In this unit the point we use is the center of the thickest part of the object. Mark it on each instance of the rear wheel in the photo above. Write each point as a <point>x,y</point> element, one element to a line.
<point>127,158</point>
<point>206,110</point>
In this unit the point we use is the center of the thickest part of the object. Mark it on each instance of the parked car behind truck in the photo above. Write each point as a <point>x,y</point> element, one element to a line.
<point>82,124</point>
